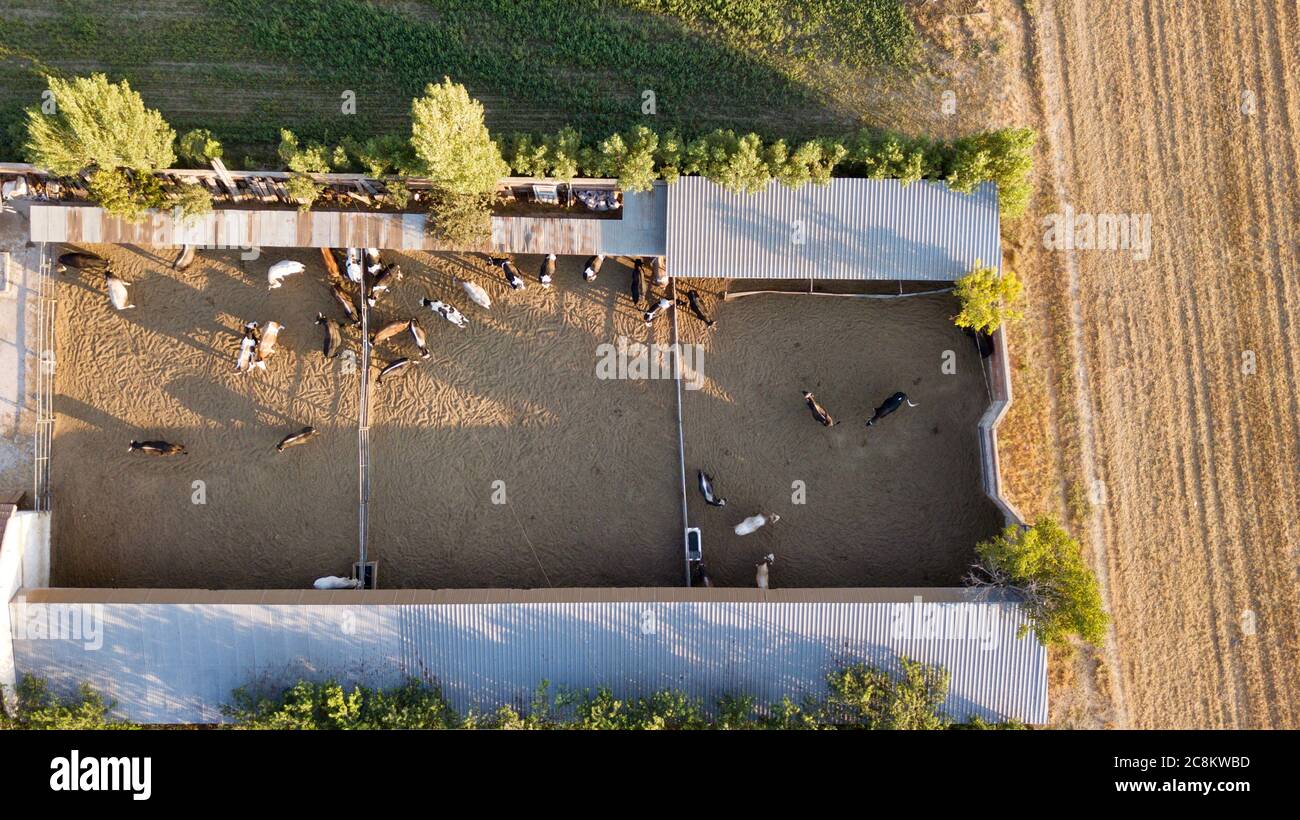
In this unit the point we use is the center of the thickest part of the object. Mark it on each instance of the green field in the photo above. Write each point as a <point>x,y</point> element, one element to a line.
<point>245,68</point>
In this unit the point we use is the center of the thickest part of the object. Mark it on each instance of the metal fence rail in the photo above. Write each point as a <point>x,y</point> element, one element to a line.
<point>45,373</point>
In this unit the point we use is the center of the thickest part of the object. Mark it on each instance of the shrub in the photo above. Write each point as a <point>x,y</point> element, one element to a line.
<point>39,708</point>
<point>413,705</point>
<point>1045,565</point>
<point>869,698</point>
<point>987,300</point>
<point>97,124</point>
<point>199,147</point>
<point>451,144</point>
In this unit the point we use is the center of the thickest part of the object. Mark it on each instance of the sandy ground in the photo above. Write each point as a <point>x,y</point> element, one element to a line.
<point>898,504</point>
<point>588,467</point>
<point>1187,112</point>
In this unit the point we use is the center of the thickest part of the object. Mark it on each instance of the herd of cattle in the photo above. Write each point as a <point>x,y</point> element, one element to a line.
<point>356,274</point>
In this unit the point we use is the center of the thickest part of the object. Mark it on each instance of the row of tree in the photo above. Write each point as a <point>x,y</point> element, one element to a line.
<point>104,129</point>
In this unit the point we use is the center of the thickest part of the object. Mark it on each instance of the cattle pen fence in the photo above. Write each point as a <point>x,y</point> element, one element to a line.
<point>46,360</point>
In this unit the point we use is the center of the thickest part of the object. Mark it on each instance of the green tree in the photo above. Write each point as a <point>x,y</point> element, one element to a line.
<point>866,697</point>
<point>97,124</point>
<point>460,220</point>
<point>1045,565</point>
<point>524,156</point>
<point>630,157</point>
<point>987,300</point>
<point>199,147</point>
<point>191,200</point>
<point>669,156</point>
<point>562,151</point>
<point>39,708</point>
<point>126,194</point>
<point>451,143</point>
<point>303,162</point>
<point>1005,157</point>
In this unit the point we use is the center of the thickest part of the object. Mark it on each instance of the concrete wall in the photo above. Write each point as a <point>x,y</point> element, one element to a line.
<point>24,562</point>
<point>997,368</point>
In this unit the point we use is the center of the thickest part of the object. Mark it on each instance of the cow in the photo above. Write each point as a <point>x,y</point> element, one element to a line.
<point>762,570</point>
<point>446,311</point>
<point>117,295</point>
<point>654,311</point>
<point>890,405</point>
<point>333,336</point>
<point>157,448</point>
<point>818,412</point>
<point>294,439</point>
<point>547,272</point>
<point>592,267</point>
<point>276,273</point>
<point>754,522</point>
<point>706,489</point>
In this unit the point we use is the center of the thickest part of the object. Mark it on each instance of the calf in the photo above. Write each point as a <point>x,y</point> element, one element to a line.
<point>654,311</point>
<point>818,412</point>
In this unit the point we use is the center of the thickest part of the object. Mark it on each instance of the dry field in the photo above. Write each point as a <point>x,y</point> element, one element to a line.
<point>588,467</point>
<point>1179,376</point>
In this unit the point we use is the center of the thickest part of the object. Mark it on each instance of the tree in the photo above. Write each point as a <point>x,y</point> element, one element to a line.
<point>869,698</point>
<point>631,158</point>
<point>39,708</point>
<point>97,124</point>
<point>199,147</point>
<point>1004,156</point>
<point>452,145</point>
<point>562,151</point>
<point>987,300</point>
<point>314,158</point>
<point>191,200</point>
<point>460,220</point>
<point>1045,565</point>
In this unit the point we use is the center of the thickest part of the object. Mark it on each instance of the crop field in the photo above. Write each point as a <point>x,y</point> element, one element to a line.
<point>1176,372</point>
<point>246,68</point>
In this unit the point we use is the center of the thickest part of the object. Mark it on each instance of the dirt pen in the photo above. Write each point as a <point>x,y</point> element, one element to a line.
<point>503,460</point>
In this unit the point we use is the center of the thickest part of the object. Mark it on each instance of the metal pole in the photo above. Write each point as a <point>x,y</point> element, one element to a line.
<point>363,436</point>
<point>681,436</point>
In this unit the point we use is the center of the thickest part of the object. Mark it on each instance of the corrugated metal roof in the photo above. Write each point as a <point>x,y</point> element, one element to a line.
<point>640,231</point>
<point>179,662</point>
<point>848,229</point>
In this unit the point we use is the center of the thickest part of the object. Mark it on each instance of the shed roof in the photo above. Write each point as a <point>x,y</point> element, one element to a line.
<point>176,655</point>
<point>847,229</point>
<point>639,232</point>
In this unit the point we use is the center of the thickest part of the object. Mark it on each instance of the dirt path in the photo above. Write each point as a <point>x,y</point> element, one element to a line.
<point>1185,363</point>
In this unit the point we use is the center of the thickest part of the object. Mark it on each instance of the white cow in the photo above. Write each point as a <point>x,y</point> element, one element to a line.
<point>335,582</point>
<point>117,295</point>
<point>754,522</point>
<point>277,272</point>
